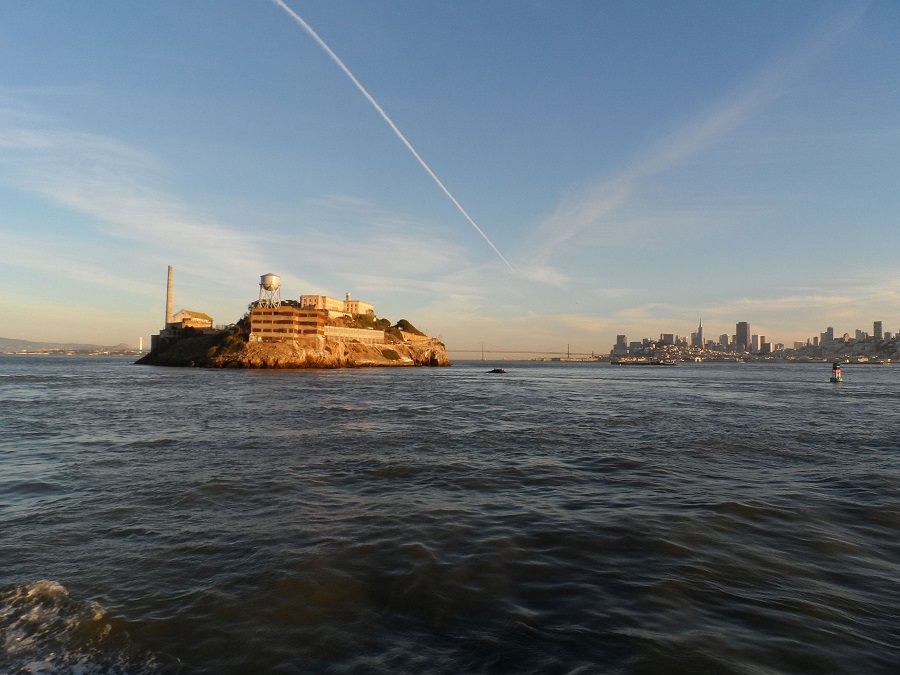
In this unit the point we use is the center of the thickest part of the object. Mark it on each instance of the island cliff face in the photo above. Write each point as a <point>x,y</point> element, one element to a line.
<point>232,352</point>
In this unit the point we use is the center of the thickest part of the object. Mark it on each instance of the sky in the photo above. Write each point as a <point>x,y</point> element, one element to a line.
<point>520,175</point>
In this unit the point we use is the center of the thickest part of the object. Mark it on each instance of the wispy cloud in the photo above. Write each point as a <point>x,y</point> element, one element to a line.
<point>599,207</point>
<point>118,187</point>
<point>365,92</point>
<point>132,217</point>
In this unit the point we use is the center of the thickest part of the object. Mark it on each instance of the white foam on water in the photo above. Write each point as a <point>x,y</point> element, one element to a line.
<point>43,631</point>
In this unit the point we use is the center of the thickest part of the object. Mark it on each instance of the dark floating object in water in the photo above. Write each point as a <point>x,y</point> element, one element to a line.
<point>497,370</point>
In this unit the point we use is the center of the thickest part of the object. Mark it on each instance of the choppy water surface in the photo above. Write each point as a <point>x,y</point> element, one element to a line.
<point>560,518</point>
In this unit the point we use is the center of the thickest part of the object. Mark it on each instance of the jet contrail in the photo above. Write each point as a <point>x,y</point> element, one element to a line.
<point>384,115</point>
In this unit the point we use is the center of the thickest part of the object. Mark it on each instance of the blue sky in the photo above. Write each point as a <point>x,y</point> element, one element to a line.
<point>640,165</point>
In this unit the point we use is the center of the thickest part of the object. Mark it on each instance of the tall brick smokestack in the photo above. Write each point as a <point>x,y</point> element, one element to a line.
<point>169,297</point>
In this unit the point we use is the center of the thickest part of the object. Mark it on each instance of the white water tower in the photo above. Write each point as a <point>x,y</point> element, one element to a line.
<point>269,290</point>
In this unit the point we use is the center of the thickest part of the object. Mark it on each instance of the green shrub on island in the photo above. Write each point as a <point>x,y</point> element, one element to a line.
<point>232,344</point>
<point>390,354</point>
<point>229,343</point>
<point>407,327</point>
<point>371,322</point>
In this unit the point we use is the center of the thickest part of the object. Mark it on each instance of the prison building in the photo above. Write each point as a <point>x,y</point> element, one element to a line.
<point>332,306</point>
<point>285,322</point>
<point>362,335</point>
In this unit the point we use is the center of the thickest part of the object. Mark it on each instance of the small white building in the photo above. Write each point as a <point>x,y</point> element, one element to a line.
<point>188,319</point>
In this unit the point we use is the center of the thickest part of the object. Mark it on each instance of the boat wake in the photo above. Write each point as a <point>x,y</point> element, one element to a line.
<point>43,630</point>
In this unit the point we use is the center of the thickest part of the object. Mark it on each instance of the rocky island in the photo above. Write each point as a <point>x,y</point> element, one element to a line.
<point>231,350</point>
<point>314,332</point>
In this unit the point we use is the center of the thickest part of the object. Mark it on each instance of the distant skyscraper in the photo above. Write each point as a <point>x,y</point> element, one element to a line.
<point>742,336</point>
<point>877,331</point>
<point>723,339</point>
<point>697,338</point>
<point>754,344</point>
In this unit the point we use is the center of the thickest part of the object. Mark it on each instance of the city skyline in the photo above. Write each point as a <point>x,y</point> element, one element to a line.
<point>634,167</point>
<point>731,340</point>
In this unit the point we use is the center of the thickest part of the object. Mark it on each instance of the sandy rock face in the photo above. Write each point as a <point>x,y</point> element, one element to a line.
<point>211,352</point>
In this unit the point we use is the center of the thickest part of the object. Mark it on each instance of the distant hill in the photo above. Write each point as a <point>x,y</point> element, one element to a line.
<point>8,345</point>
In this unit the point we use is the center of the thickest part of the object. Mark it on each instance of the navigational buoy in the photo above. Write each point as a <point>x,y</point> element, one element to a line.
<point>836,372</point>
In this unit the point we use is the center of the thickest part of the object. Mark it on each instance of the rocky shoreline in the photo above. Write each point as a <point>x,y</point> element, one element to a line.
<point>216,352</point>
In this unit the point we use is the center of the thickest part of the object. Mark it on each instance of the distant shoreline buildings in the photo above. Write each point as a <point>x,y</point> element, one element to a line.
<point>743,343</point>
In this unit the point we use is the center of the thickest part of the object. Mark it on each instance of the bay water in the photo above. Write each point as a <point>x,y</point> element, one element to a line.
<point>558,518</point>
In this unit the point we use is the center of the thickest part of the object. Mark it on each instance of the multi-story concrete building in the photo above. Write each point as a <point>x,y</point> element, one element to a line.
<point>335,307</point>
<point>286,322</point>
<point>304,326</point>
<point>332,306</point>
<point>364,335</point>
<point>877,331</point>
<point>352,306</point>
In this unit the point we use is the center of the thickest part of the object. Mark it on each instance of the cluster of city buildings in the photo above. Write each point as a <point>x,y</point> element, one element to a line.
<point>743,343</point>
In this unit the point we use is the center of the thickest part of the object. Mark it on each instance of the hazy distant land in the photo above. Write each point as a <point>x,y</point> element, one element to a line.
<point>11,346</point>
